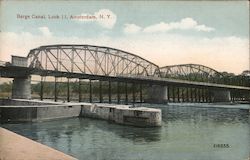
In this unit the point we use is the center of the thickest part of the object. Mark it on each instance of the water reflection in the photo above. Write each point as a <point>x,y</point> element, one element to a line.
<point>134,134</point>
<point>186,133</point>
<point>217,115</point>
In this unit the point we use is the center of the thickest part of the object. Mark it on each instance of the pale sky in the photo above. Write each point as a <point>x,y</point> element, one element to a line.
<point>211,33</point>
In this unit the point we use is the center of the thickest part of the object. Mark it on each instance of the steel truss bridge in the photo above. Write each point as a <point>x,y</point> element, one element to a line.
<point>186,82</point>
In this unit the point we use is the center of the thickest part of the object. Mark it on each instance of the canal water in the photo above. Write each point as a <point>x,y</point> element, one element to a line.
<point>187,133</point>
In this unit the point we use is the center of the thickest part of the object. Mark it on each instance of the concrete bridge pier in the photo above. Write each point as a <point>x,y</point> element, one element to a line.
<point>157,94</point>
<point>21,88</point>
<point>221,95</point>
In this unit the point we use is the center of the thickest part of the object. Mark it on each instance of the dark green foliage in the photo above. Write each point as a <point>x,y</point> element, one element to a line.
<point>6,87</point>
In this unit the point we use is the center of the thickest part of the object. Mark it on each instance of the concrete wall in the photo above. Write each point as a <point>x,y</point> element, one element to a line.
<point>140,116</point>
<point>21,88</point>
<point>123,114</point>
<point>38,113</point>
<point>14,114</point>
<point>157,94</point>
<point>23,102</point>
<point>94,111</point>
<point>60,111</point>
<point>221,96</point>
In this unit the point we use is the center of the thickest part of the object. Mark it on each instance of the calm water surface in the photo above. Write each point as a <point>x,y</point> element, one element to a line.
<point>187,133</point>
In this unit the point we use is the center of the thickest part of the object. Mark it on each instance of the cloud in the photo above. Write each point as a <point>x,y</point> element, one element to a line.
<point>45,31</point>
<point>160,27</point>
<point>104,17</point>
<point>162,49</point>
<point>131,28</point>
<point>183,24</point>
<point>108,20</point>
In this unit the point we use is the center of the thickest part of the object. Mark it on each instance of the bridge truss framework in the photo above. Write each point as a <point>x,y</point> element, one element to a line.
<point>109,66</point>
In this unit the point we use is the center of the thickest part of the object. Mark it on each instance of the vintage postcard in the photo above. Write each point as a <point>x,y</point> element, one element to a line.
<point>124,80</point>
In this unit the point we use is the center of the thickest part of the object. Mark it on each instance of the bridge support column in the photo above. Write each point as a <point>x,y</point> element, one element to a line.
<point>157,94</point>
<point>203,95</point>
<point>206,96</point>
<point>221,96</point>
<point>41,89</point>
<point>191,94</point>
<point>118,92</point>
<point>210,96</point>
<point>133,92</point>
<point>68,90</point>
<point>195,95</point>
<point>182,95</point>
<point>55,90</point>
<point>90,91</point>
<point>140,93</point>
<point>187,94</point>
<point>168,91</point>
<point>126,93</point>
<point>199,95</point>
<point>100,91</point>
<point>178,94</point>
<point>173,93</point>
<point>21,88</point>
<point>80,90</point>
<point>109,90</point>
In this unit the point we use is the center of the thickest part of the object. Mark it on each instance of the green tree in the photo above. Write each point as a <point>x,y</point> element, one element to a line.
<point>6,87</point>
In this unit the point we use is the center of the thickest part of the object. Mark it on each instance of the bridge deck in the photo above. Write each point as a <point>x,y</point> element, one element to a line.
<point>16,71</point>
